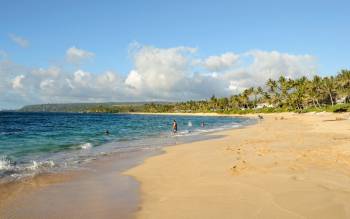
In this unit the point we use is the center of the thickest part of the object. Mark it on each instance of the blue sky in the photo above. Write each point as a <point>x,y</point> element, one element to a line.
<point>235,43</point>
<point>319,28</point>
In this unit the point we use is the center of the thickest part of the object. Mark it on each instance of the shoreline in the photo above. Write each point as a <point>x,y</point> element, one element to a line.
<point>248,115</point>
<point>98,143</point>
<point>26,199</point>
<point>287,166</point>
<point>99,190</point>
<point>156,179</point>
<point>180,114</point>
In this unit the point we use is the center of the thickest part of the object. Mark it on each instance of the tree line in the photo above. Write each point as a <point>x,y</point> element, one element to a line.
<point>284,94</point>
<point>330,93</point>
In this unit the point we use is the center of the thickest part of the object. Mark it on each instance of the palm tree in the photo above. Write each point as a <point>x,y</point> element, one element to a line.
<point>272,85</point>
<point>344,79</point>
<point>343,82</point>
<point>235,101</point>
<point>314,90</point>
<point>273,91</point>
<point>295,94</point>
<point>300,92</point>
<point>284,87</point>
<point>329,87</point>
<point>245,97</point>
<point>213,102</point>
<point>259,93</point>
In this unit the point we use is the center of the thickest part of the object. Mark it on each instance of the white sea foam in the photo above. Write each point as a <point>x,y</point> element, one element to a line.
<point>236,125</point>
<point>5,163</point>
<point>34,166</point>
<point>44,164</point>
<point>86,146</point>
<point>183,133</point>
<point>197,131</point>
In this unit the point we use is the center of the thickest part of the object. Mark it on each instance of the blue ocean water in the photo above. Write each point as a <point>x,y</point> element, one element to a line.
<point>32,142</point>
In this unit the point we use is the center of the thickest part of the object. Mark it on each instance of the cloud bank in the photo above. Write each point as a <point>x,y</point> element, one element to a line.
<point>169,74</point>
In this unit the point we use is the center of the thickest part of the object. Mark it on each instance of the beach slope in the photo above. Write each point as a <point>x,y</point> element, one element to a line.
<point>285,166</point>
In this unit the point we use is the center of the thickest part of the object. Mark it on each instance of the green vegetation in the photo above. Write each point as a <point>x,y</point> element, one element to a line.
<point>112,107</point>
<point>331,94</point>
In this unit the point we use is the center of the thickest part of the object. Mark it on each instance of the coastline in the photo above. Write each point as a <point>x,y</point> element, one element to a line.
<point>90,188</point>
<point>264,170</point>
<point>286,166</point>
<point>192,114</point>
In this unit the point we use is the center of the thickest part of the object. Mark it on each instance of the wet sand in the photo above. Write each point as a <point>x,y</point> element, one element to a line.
<point>286,166</point>
<point>98,191</point>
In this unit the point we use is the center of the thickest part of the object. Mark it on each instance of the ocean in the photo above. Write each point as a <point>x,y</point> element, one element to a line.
<point>32,143</point>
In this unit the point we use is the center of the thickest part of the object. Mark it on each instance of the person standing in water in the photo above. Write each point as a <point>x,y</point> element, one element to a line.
<point>174,126</point>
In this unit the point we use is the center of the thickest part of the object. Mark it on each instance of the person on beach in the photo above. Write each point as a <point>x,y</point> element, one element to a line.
<point>174,126</point>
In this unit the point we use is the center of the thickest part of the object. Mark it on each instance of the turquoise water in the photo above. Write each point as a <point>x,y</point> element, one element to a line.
<point>32,142</point>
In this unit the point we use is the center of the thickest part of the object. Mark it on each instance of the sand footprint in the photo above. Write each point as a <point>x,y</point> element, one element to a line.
<point>239,167</point>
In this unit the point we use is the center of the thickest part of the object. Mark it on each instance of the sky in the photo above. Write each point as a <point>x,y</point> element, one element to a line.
<point>96,51</point>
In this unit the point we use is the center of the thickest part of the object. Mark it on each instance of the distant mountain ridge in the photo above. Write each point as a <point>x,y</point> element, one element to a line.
<point>87,107</point>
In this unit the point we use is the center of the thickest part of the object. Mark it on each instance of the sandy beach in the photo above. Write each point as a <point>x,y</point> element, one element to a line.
<point>286,166</point>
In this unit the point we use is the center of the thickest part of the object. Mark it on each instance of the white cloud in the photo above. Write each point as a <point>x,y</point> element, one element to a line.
<point>269,64</point>
<point>169,74</point>
<point>20,41</point>
<point>76,56</point>
<point>221,62</point>
<point>273,64</point>
<point>233,86</point>
<point>109,78</point>
<point>157,74</point>
<point>134,80</point>
<point>17,82</point>
<point>81,77</point>
<point>47,84</point>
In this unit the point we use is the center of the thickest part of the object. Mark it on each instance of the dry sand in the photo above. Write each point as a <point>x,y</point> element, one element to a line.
<point>286,166</point>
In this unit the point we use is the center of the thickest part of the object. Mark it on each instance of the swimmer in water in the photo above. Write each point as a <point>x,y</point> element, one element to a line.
<point>202,124</point>
<point>174,126</point>
<point>107,132</point>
